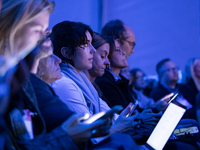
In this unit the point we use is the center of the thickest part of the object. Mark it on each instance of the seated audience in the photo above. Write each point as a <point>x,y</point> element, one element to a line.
<point>37,119</point>
<point>124,35</point>
<point>126,40</point>
<point>21,28</point>
<point>98,68</point>
<point>137,85</point>
<point>117,92</point>
<point>49,71</point>
<point>99,64</point>
<point>81,95</point>
<point>168,77</point>
<point>25,104</point>
<point>192,71</point>
<point>100,61</point>
<point>19,34</point>
<point>51,107</point>
<point>74,88</point>
<point>112,84</point>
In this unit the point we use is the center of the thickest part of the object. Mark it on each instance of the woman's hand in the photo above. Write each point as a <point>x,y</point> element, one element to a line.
<point>124,123</point>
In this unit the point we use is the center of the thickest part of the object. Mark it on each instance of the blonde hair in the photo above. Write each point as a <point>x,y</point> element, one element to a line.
<point>14,15</point>
<point>189,70</point>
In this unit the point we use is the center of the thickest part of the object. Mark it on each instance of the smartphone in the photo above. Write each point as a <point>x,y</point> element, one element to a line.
<point>104,115</point>
<point>183,131</point>
<point>173,98</point>
<point>132,109</point>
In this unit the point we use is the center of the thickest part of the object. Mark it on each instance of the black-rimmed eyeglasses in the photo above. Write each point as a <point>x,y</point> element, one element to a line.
<point>131,43</point>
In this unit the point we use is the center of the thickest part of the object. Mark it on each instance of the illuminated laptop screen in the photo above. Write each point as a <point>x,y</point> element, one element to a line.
<point>165,127</point>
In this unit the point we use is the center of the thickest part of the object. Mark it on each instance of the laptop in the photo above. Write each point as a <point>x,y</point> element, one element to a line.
<point>165,127</point>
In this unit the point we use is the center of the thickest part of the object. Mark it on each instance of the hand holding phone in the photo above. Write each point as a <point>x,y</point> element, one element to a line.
<point>104,115</point>
<point>173,98</point>
<point>132,109</point>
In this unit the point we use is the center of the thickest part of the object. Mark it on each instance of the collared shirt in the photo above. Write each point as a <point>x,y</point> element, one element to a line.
<point>169,88</point>
<point>114,75</point>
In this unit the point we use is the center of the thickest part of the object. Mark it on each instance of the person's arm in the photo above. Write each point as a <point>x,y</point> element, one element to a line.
<point>70,94</point>
<point>103,105</point>
<point>69,135</point>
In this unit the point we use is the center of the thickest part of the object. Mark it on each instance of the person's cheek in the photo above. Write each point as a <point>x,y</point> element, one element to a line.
<point>29,41</point>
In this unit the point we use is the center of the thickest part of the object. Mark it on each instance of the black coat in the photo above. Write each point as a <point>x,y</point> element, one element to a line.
<point>160,91</point>
<point>53,110</point>
<point>193,86</point>
<point>117,93</point>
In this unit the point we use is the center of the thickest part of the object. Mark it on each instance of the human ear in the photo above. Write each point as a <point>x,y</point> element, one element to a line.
<point>65,52</point>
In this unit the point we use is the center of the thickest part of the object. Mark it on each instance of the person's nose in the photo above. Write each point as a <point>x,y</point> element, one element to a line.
<point>123,52</point>
<point>133,50</point>
<point>92,49</point>
<point>57,60</point>
<point>107,62</point>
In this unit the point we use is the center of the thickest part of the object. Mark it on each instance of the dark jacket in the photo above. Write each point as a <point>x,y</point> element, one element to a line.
<point>56,139</point>
<point>192,85</point>
<point>160,91</point>
<point>53,110</point>
<point>198,101</point>
<point>116,92</point>
<point>5,142</point>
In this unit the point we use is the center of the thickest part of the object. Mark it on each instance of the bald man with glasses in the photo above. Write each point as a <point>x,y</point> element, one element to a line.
<point>122,33</point>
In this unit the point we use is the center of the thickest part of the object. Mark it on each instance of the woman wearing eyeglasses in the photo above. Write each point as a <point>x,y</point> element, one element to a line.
<point>112,84</point>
